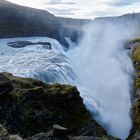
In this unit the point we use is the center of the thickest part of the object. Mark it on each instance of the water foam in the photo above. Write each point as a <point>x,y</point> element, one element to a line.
<point>104,70</point>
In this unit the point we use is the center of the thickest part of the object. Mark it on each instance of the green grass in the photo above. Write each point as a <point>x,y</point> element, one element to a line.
<point>136,58</point>
<point>136,54</point>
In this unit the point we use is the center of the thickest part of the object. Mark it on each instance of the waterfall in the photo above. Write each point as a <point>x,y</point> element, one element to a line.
<point>104,70</point>
<point>35,61</point>
<point>100,67</point>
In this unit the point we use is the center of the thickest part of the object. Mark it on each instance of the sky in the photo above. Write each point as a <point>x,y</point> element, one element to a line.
<point>88,9</point>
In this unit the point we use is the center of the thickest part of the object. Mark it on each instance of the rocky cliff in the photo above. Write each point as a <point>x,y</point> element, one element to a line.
<point>29,107</point>
<point>135,132</point>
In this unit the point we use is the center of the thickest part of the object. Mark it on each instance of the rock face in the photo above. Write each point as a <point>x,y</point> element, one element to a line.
<point>21,44</point>
<point>135,133</point>
<point>49,136</point>
<point>29,107</point>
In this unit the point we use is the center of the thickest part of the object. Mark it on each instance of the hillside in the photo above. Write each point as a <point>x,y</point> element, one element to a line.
<point>16,20</point>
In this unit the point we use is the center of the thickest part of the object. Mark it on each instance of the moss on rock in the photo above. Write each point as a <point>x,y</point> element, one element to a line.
<point>136,59</point>
<point>29,107</point>
<point>137,114</point>
<point>136,54</point>
<point>136,97</point>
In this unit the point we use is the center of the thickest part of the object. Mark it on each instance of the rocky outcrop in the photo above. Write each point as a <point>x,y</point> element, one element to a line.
<point>135,132</point>
<point>21,44</point>
<point>57,133</point>
<point>29,107</point>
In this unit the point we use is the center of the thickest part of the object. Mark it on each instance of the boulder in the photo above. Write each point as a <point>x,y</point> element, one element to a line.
<point>60,132</point>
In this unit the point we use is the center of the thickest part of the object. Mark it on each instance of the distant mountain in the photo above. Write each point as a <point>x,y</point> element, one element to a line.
<point>16,20</point>
<point>127,18</point>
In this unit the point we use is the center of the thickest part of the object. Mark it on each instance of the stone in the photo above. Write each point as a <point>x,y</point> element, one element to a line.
<point>22,44</point>
<point>59,131</point>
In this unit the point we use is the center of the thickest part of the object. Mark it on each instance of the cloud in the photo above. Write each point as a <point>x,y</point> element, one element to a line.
<point>51,2</point>
<point>100,13</point>
<point>67,3</point>
<point>121,3</point>
<point>61,12</point>
<point>84,8</point>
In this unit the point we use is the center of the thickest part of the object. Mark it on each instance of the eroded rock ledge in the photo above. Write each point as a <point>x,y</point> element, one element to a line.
<point>29,107</point>
<point>135,132</point>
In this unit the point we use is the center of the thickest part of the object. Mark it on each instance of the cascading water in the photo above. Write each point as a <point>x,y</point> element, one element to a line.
<point>104,70</point>
<point>101,62</point>
<point>35,61</point>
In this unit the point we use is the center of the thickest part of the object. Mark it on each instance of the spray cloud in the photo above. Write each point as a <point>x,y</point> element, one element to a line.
<point>104,70</point>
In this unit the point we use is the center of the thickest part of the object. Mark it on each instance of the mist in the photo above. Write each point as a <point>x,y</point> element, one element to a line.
<point>105,73</point>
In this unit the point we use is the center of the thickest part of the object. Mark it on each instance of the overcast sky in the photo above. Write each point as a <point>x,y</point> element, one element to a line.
<point>84,8</point>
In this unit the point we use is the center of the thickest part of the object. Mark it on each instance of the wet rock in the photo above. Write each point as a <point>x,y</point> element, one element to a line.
<point>135,132</point>
<point>21,44</point>
<point>48,47</point>
<point>43,43</point>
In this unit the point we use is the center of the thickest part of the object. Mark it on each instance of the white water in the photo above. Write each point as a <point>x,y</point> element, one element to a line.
<point>100,61</point>
<point>34,61</point>
<point>105,71</point>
